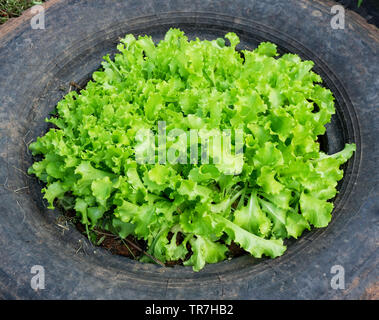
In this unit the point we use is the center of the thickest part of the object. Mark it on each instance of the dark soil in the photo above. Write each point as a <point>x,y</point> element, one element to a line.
<point>131,247</point>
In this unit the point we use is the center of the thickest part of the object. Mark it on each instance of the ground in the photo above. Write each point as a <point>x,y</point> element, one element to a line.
<point>14,8</point>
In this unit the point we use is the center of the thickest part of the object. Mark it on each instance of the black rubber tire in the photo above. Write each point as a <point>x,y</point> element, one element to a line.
<point>36,67</point>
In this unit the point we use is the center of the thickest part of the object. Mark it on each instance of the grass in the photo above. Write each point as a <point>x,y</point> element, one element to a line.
<point>14,8</point>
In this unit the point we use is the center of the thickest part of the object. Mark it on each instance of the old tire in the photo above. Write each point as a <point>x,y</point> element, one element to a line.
<point>36,67</point>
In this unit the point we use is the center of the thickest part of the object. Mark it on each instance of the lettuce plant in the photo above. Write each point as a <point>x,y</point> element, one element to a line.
<point>192,212</point>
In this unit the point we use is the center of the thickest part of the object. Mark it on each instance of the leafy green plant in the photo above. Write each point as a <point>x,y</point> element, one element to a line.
<point>14,8</point>
<point>193,212</point>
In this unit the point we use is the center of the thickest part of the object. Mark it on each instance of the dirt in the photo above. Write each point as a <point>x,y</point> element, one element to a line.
<point>134,248</point>
<point>372,292</point>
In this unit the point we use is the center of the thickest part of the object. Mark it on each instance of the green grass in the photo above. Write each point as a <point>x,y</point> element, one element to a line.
<point>14,8</point>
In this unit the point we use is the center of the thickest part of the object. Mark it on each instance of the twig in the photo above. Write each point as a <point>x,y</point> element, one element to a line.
<point>145,253</point>
<point>106,234</point>
<point>20,189</point>
<point>22,172</point>
<point>80,247</point>
<point>63,227</point>
<point>25,143</point>
<point>135,247</point>
<point>74,84</point>
<point>6,187</point>
<point>131,243</point>
<point>122,240</point>
<point>23,211</point>
<point>5,184</point>
<point>62,223</point>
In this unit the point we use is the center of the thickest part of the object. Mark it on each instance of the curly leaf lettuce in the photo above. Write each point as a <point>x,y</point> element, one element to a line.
<point>279,186</point>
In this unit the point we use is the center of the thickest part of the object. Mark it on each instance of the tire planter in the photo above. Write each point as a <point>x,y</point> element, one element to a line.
<point>36,68</point>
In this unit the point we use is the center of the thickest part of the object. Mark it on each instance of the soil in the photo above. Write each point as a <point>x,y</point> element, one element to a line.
<point>131,247</point>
